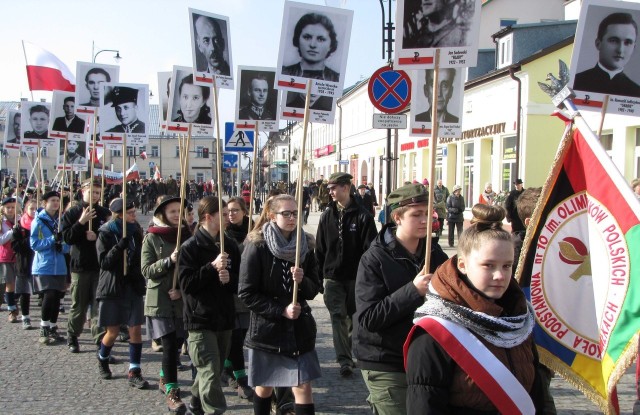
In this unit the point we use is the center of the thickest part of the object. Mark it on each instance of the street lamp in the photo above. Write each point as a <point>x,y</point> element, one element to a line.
<point>117,52</point>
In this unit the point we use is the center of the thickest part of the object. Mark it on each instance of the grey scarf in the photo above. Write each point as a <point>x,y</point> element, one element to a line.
<point>282,248</point>
<point>506,332</point>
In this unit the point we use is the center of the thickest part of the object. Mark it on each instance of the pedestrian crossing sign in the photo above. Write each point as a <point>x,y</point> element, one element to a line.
<point>237,140</point>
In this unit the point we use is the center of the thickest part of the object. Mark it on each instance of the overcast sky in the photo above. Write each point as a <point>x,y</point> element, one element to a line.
<point>154,35</point>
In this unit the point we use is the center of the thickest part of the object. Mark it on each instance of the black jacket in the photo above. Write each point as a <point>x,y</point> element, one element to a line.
<point>22,248</point>
<point>512,211</point>
<point>83,252</point>
<point>261,289</point>
<point>455,208</point>
<point>386,300</point>
<point>338,258</point>
<point>208,304</point>
<point>112,281</point>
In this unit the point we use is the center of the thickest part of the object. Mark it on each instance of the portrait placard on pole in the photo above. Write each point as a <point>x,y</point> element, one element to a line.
<point>77,155</point>
<point>211,48</point>
<point>13,125</point>
<point>314,44</point>
<point>605,60</point>
<point>450,26</point>
<point>90,76</point>
<point>257,99</point>
<point>321,108</point>
<point>124,110</point>
<point>189,103</point>
<point>64,120</point>
<point>164,91</point>
<point>34,126</point>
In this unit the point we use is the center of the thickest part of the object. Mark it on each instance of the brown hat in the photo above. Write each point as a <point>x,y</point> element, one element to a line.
<point>340,177</point>
<point>410,194</point>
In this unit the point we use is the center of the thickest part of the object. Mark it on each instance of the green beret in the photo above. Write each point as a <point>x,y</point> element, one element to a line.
<point>410,194</point>
<point>340,177</point>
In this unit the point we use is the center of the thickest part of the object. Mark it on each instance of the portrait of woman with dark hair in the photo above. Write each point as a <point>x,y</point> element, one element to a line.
<point>193,106</point>
<point>315,38</point>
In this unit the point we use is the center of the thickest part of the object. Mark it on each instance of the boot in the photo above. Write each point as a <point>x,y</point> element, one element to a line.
<point>103,368</point>
<point>174,403</point>
<point>244,390</point>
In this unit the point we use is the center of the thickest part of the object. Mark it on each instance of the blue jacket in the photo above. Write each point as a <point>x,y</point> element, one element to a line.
<point>47,260</point>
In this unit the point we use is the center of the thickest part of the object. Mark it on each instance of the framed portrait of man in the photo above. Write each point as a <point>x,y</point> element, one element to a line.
<point>605,58</point>
<point>89,78</point>
<point>164,90</point>
<point>76,156</point>
<point>12,127</point>
<point>124,110</point>
<point>321,108</point>
<point>257,99</point>
<point>64,120</point>
<point>424,26</point>
<point>189,104</point>
<point>34,122</point>
<point>448,102</point>
<point>211,48</point>
<point>314,44</point>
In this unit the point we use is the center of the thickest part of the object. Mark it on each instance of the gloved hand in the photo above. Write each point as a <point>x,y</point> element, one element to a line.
<point>124,242</point>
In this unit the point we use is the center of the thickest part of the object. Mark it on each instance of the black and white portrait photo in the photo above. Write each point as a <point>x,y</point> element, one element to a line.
<point>34,120</point>
<point>189,103</point>
<point>12,129</point>
<point>257,98</point>
<point>314,44</point>
<point>164,90</point>
<point>425,25</point>
<point>76,154</point>
<point>64,119</point>
<point>90,77</point>
<point>125,110</point>
<point>448,101</point>
<point>211,48</point>
<point>606,59</point>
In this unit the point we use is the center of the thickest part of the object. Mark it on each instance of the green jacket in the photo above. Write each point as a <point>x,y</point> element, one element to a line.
<point>158,271</point>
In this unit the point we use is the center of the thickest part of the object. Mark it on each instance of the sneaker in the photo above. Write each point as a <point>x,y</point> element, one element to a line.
<point>156,346</point>
<point>26,324</point>
<point>174,403</point>
<point>103,367</point>
<point>72,343</point>
<point>162,385</point>
<point>44,335</point>
<point>54,336</point>
<point>13,316</point>
<point>244,390</point>
<point>136,380</point>
<point>346,371</point>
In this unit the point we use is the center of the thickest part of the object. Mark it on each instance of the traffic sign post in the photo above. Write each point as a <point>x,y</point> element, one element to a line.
<point>389,90</point>
<point>237,140</point>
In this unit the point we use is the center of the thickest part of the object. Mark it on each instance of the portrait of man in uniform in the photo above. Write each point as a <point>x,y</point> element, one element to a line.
<point>70,123</point>
<point>435,23</point>
<point>446,84</point>
<point>210,45</point>
<point>124,100</point>
<point>76,152</point>
<point>256,97</point>
<point>39,121</point>
<point>13,129</point>
<point>615,43</point>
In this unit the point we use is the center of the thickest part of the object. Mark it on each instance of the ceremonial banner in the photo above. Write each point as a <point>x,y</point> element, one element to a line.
<point>580,268</point>
<point>113,177</point>
<point>45,71</point>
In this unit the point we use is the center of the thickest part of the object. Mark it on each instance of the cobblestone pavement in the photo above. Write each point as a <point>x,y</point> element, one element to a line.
<point>38,379</point>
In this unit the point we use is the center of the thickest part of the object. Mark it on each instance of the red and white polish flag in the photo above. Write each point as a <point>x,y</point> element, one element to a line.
<point>45,71</point>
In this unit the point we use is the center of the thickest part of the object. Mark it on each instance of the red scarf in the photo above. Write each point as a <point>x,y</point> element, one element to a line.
<point>170,234</point>
<point>25,221</point>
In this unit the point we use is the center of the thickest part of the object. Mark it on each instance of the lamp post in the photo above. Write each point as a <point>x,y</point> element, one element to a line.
<point>95,55</point>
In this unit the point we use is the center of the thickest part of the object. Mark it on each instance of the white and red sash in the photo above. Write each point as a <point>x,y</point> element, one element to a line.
<point>486,370</point>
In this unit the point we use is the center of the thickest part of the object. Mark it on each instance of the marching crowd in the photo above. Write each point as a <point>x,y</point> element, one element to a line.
<point>220,291</point>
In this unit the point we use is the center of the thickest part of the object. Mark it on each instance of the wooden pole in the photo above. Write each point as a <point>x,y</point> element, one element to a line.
<point>603,113</point>
<point>252,180</point>
<point>41,187</point>
<point>299,189</point>
<point>124,198</point>
<point>432,154</point>
<point>184,155</point>
<point>94,150</point>
<point>17,186</point>
<point>64,168</point>
<point>218,161</point>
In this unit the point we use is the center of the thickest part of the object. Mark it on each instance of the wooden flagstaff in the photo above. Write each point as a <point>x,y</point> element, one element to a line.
<point>92,161</point>
<point>603,113</point>
<point>218,161</point>
<point>40,189</point>
<point>299,187</point>
<point>252,187</point>
<point>184,170</point>
<point>124,198</point>
<point>18,186</point>
<point>432,154</point>
<point>64,173</point>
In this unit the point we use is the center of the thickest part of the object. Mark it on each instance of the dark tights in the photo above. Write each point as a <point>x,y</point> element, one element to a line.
<point>51,306</point>
<point>236,354</point>
<point>25,299</point>
<point>170,349</point>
